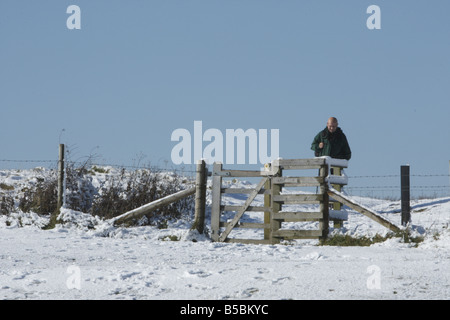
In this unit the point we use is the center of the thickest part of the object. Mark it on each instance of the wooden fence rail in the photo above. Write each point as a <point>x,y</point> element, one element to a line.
<point>152,206</point>
<point>365,211</point>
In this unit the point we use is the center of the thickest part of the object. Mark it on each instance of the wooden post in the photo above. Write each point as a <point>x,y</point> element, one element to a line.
<point>323,207</point>
<point>267,202</point>
<point>275,225</point>
<point>60,199</point>
<point>200,196</point>
<point>60,191</point>
<point>337,205</point>
<point>216,199</point>
<point>405,195</point>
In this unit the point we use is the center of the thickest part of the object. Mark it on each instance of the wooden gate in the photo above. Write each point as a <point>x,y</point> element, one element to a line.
<point>217,209</point>
<point>279,199</point>
<point>273,185</point>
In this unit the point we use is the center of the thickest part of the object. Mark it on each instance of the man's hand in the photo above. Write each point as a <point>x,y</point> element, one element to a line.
<point>321,145</point>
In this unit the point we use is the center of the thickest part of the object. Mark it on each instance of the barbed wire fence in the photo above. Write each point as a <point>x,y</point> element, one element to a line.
<point>388,186</point>
<point>17,165</point>
<point>434,188</point>
<point>384,186</point>
<point>34,184</point>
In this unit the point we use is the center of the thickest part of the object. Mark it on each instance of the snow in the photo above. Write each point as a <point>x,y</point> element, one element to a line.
<point>86,257</point>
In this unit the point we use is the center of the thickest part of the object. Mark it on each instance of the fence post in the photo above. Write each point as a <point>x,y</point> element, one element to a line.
<point>200,196</point>
<point>60,177</point>
<point>275,190</point>
<point>337,205</point>
<point>323,207</point>
<point>405,195</point>
<point>267,204</point>
<point>216,201</point>
<point>60,192</point>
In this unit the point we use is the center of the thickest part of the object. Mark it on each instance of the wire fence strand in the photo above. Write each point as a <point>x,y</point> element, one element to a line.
<point>353,187</point>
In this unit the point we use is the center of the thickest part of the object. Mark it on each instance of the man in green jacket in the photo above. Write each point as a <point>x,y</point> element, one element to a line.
<point>331,142</point>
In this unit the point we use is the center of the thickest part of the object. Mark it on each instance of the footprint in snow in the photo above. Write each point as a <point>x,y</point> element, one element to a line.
<point>247,293</point>
<point>197,273</point>
<point>127,275</point>
<point>281,280</point>
<point>36,282</point>
<point>19,275</point>
<point>313,256</point>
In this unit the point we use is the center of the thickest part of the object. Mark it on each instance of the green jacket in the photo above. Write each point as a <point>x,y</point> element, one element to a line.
<point>335,144</point>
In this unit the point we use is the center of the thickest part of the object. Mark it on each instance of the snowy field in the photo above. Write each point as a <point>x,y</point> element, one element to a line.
<point>87,258</point>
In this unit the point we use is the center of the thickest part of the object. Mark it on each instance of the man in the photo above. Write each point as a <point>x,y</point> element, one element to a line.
<point>331,142</point>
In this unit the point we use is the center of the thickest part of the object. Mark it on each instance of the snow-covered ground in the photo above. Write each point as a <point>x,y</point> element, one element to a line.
<point>87,258</point>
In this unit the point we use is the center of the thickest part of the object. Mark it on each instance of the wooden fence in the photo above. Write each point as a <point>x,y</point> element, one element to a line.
<point>273,182</point>
<point>328,182</point>
<point>276,188</point>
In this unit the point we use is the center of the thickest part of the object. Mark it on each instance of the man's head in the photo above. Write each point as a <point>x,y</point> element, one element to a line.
<point>332,124</point>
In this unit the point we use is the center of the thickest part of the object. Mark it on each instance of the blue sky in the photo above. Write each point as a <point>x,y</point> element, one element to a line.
<point>138,70</point>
